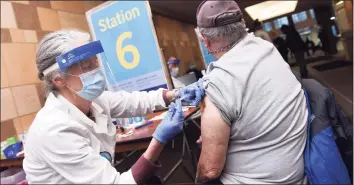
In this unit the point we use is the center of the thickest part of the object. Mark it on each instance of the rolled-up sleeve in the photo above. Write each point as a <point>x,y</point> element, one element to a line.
<point>144,169</point>
<point>69,153</point>
<point>124,104</point>
<point>222,90</point>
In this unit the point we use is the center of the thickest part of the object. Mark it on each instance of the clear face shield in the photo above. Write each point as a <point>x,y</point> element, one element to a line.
<point>82,63</point>
<point>84,66</point>
<point>173,66</point>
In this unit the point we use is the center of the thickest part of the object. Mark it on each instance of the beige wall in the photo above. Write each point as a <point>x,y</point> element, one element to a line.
<point>349,12</point>
<point>179,40</point>
<point>344,14</point>
<point>24,23</point>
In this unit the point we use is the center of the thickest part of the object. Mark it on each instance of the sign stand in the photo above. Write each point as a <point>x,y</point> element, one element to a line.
<point>134,58</point>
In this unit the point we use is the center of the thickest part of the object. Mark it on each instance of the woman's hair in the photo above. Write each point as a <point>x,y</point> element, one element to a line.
<point>51,46</point>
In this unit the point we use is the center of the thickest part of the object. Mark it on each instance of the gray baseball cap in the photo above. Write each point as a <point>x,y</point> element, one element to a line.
<point>218,13</point>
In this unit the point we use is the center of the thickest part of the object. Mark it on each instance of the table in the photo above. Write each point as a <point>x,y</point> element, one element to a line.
<point>140,139</point>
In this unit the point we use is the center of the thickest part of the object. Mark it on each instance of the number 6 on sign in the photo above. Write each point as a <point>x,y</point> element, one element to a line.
<point>129,48</point>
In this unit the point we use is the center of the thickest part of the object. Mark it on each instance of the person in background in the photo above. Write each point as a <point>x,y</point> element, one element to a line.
<point>72,138</point>
<point>328,41</point>
<point>280,44</point>
<point>259,31</point>
<point>254,120</point>
<point>173,66</point>
<point>297,46</point>
<point>310,45</point>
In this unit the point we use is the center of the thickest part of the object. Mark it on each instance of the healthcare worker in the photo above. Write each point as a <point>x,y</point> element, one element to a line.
<point>72,139</point>
<point>173,66</point>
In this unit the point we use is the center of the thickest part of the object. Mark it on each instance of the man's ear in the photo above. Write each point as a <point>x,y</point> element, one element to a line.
<point>206,42</point>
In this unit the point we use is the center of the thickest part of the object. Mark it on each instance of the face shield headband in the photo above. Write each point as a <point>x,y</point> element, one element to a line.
<point>173,61</point>
<point>74,56</point>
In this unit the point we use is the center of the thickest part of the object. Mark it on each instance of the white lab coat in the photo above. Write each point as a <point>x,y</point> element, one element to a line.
<point>63,145</point>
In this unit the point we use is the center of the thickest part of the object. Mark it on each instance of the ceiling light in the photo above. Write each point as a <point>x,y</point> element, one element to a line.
<point>269,9</point>
<point>332,18</point>
<point>340,2</point>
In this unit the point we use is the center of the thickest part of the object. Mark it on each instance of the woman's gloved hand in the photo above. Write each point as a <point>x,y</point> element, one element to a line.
<point>193,93</point>
<point>172,124</point>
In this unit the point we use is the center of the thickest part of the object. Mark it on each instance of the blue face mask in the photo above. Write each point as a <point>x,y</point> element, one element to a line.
<point>92,84</point>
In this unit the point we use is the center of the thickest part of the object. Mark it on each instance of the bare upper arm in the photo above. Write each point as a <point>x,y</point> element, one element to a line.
<point>215,133</point>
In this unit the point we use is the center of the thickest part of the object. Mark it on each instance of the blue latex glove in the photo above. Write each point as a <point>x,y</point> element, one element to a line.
<point>172,124</point>
<point>193,93</point>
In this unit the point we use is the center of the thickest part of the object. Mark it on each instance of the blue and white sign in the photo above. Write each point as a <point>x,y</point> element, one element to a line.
<point>207,57</point>
<point>133,61</point>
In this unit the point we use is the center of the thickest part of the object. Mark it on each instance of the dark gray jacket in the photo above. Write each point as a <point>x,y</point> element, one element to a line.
<point>325,112</point>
